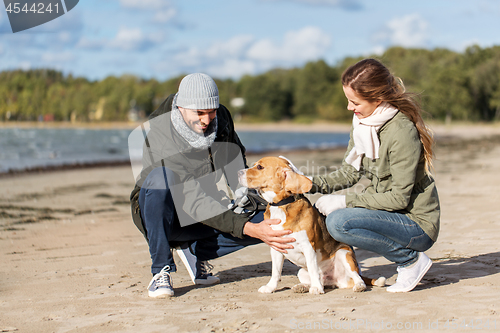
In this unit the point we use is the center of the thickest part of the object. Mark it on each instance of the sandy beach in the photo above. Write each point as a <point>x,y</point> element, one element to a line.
<point>73,261</point>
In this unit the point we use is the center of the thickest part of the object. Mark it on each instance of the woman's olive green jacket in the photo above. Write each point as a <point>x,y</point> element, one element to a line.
<point>398,179</point>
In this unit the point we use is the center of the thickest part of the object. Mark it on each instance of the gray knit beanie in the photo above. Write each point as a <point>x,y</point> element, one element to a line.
<point>198,91</point>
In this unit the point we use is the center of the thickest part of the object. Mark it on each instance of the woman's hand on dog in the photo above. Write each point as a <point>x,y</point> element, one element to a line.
<point>329,203</point>
<point>273,238</point>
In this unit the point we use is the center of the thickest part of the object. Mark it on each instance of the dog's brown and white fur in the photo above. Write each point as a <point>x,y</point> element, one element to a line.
<point>323,260</point>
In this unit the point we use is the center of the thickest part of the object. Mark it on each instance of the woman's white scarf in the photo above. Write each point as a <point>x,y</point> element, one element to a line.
<point>365,136</point>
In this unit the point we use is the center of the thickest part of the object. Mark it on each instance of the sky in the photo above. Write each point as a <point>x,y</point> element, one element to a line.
<point>162,39</point>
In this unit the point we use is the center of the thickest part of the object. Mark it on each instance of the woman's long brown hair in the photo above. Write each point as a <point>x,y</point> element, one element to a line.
<point>372,81</point>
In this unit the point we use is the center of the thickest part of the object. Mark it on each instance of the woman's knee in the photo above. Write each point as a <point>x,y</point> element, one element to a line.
<point>420,243</point>
<point>335,222</point>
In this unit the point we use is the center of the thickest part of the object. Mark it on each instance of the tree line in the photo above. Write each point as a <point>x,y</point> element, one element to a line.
<point>450,85</point>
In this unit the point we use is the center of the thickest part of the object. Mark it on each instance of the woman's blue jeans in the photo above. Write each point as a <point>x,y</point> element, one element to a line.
<point>163,228</point>
<point>392,235</point>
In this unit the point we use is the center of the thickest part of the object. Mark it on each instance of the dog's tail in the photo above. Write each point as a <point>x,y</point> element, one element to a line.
<point>380,282</point>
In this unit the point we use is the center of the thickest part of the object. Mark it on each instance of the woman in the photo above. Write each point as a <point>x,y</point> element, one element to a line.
<point>397,215</point>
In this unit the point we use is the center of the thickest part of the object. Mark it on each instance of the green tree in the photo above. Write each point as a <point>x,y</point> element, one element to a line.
<point>485,89</point>
<point>266,96</point>
<point>314,90</point>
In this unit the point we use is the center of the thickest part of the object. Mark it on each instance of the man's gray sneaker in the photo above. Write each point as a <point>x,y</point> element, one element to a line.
<point>199,271</point>
<point>203,275</point>
<point>189,260</point>
<point>161,285</point>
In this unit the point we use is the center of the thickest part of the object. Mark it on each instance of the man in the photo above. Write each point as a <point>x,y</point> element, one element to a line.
<point>191,147</point>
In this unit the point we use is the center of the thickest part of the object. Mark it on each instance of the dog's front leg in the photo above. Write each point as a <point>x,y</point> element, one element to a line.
<point>312,268</point>
<point>277,262</point>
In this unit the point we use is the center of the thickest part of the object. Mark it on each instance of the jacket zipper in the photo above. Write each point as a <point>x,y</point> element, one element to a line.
<point>211,159</point>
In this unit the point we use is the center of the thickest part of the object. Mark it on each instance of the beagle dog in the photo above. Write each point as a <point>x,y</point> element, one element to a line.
<point>323,260</point>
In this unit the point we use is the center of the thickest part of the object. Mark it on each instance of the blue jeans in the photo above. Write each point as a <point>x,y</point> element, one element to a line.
<point>163,228</point>
<point>392,235</point>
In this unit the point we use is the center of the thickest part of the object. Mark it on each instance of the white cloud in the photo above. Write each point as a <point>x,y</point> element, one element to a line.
<point>126,39</point>
<point>134,39</point>
<point>235,47</point>
<point>4,22</point>
<point>144,4</point>
<point>345,4</point>
<point>244,54</point>
<point>24,65</point>
<point>59,34</point>
<point>163,10</point>
<point>298,46</point>
<point>129,39</point>
<point>378,50</point>
<point>407,31</point>
<point>461,46</point>
<point>58,58</point>
<point>232,68</point>
<point>165,15</point>
<point>70,22</point>
<point>88,44</point>
<point>229,57</point>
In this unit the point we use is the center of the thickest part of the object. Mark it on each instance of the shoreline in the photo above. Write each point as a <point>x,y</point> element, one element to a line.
<point>62,167</point>
<point>119,163</point>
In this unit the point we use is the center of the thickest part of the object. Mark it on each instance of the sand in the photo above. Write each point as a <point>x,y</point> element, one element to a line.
<point>72,260</point>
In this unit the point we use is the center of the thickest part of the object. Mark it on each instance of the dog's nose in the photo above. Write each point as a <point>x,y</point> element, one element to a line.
<point>241,173</point>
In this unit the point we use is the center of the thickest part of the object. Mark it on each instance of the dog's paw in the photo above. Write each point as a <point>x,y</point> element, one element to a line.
<point>380,282</point>
<point>316,290</point>
<point>300,288</point>
<point>358,287</point>
<point>266,289</point>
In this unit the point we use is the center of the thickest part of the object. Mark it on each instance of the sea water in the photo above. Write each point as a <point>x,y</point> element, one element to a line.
<point>29,148</point>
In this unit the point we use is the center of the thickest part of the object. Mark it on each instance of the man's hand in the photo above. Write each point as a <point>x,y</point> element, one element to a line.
<point>265,233</point>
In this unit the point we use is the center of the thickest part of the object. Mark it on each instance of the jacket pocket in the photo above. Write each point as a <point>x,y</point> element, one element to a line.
<point>382,180</point>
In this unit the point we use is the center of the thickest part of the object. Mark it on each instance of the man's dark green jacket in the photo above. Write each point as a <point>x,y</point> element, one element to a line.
<point>165,147</point>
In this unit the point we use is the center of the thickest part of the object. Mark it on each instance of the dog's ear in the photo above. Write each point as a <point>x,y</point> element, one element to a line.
<point>296,183</point>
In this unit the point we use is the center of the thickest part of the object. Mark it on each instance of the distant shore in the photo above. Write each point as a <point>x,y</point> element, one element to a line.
<point>456,128</point>
<point>267,126</point>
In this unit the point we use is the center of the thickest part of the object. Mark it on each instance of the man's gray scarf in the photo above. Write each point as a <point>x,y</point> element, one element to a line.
<point>196,140</point>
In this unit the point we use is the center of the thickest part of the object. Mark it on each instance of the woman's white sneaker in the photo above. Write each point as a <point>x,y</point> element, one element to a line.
<point>409,277</point>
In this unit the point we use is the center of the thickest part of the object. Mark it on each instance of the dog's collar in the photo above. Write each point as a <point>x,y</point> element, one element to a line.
<point>283,202</point>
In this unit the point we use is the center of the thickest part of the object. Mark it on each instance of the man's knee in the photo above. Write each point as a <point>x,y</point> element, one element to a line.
<point>155,190</point>
<point>157,179</point>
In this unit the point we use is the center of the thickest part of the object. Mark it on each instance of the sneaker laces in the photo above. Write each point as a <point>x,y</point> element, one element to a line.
<point>205,268</point>
<point>163,278</point>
